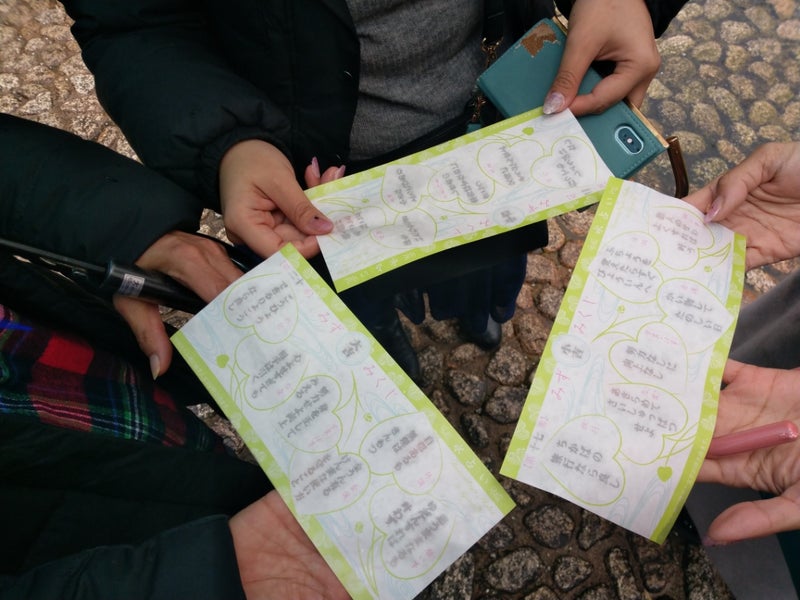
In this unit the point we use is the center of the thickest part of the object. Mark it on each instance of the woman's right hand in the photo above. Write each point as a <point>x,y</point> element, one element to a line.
<point>262,204</point>
<point>595,34</point>
<point>198,263</point>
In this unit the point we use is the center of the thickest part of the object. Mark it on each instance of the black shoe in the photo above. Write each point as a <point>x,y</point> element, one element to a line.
<point>394,340</point>
<point>488,339</point>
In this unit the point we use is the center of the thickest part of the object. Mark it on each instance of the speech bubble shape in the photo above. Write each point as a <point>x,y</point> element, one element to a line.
<point>417,530</point>
<point>353,348</point>
<point>508,216</point>
<point>656,357</point>
<point>267,303</point>
<point>694,312</point>
<point>509,164</point>
<point>326,482</point>
<point>460,181</point>
<point>581,457</point>
<point>624,266</point>
<point>646,415</point>
<point>571,163</point>
<point>306,420</point>
<point>408,447</point>
<point>403,185</point>
<point>408,231</point>
<point>352,224</point>
<point>680,233</point>
<point>571,350</point>
<point>272,372</point>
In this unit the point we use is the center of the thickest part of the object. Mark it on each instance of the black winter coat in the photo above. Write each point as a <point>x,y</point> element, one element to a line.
<point>82,514</point>
<point>187,79</point>
<point>77,198</point>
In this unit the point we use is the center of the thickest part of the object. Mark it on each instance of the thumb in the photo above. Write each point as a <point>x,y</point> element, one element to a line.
<point>144,319</point>
<point>287,195</point>
<point>748,520</point>
<point>562,92</point>
<point>571,71</point>
<point>728,192</point>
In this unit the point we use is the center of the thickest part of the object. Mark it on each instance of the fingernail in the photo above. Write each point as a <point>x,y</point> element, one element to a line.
<point>713,211</point>
<point>340,172</point>
<point>553,103</point>
<point>155,366</point>
<point>320,225</point>
<point>710,542</point>
<point>315,166</point>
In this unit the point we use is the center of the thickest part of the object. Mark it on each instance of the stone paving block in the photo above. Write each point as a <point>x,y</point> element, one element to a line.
<point>728,82</point>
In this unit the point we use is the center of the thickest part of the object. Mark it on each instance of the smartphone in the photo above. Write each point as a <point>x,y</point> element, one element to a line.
<point>520,78</point>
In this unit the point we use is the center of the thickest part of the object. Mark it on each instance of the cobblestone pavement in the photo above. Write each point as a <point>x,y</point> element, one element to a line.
<point>729,82</point>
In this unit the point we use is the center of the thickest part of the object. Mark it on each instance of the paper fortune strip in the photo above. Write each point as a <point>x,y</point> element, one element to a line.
<point>623,403</point>
<point>384,486</point>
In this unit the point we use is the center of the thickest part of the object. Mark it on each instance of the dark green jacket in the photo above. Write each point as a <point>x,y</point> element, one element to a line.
<point>73,197</point>
<point>84,515</point>
<point>186,79</point>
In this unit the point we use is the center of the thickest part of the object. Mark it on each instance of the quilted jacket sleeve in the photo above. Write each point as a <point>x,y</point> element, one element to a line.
<point>72,196</point>
<point>160,77</point>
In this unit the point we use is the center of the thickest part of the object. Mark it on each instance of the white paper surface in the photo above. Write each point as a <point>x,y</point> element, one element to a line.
<point>623,403</point>
<point>519,171</point>
<point>384,486</point>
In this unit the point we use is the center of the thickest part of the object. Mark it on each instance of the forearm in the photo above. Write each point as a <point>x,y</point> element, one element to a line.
<point>164,82</point>
<point>76,197</point>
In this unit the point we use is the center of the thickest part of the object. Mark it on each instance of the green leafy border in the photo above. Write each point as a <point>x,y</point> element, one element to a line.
<point>279,478</point>
<point>546,368</point>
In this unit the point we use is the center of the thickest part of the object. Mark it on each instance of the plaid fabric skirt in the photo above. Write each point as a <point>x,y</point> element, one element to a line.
<point>61,380</point>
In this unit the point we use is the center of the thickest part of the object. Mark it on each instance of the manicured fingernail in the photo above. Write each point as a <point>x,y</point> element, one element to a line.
<point>155,366</point>
<point>710,542</point>
<point>315,167</point>
<point>320,225</point>
<point>713,211</point>
<point>340,172</point>
<point>553,103</point>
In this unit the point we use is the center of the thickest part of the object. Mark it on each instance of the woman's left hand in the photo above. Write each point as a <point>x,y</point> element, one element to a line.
<point>755,396</point>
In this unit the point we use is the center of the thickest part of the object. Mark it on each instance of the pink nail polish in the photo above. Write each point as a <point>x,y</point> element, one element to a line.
<point>712,543</point>
<point>320,225</point>
<point>553,103</point>
<point>155,366</point>
<point>713,211</point>
<point>315,167</point>
<point>340,172</point>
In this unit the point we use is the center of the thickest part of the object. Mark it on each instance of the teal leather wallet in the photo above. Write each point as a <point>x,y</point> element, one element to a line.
<point>520,78</point>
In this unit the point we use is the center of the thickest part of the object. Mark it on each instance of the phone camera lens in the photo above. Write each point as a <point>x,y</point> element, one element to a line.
<point>629,140</point>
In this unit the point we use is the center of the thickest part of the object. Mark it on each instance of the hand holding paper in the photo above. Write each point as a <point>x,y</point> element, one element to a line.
<point>382,484</point>
<point>756,396</point>
<point>622,406</point>
<point>262,204</point>
<point>502,177</point>
<point>759,198</point>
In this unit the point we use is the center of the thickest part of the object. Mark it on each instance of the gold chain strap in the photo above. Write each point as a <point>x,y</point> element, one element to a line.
<point>479,101</point>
